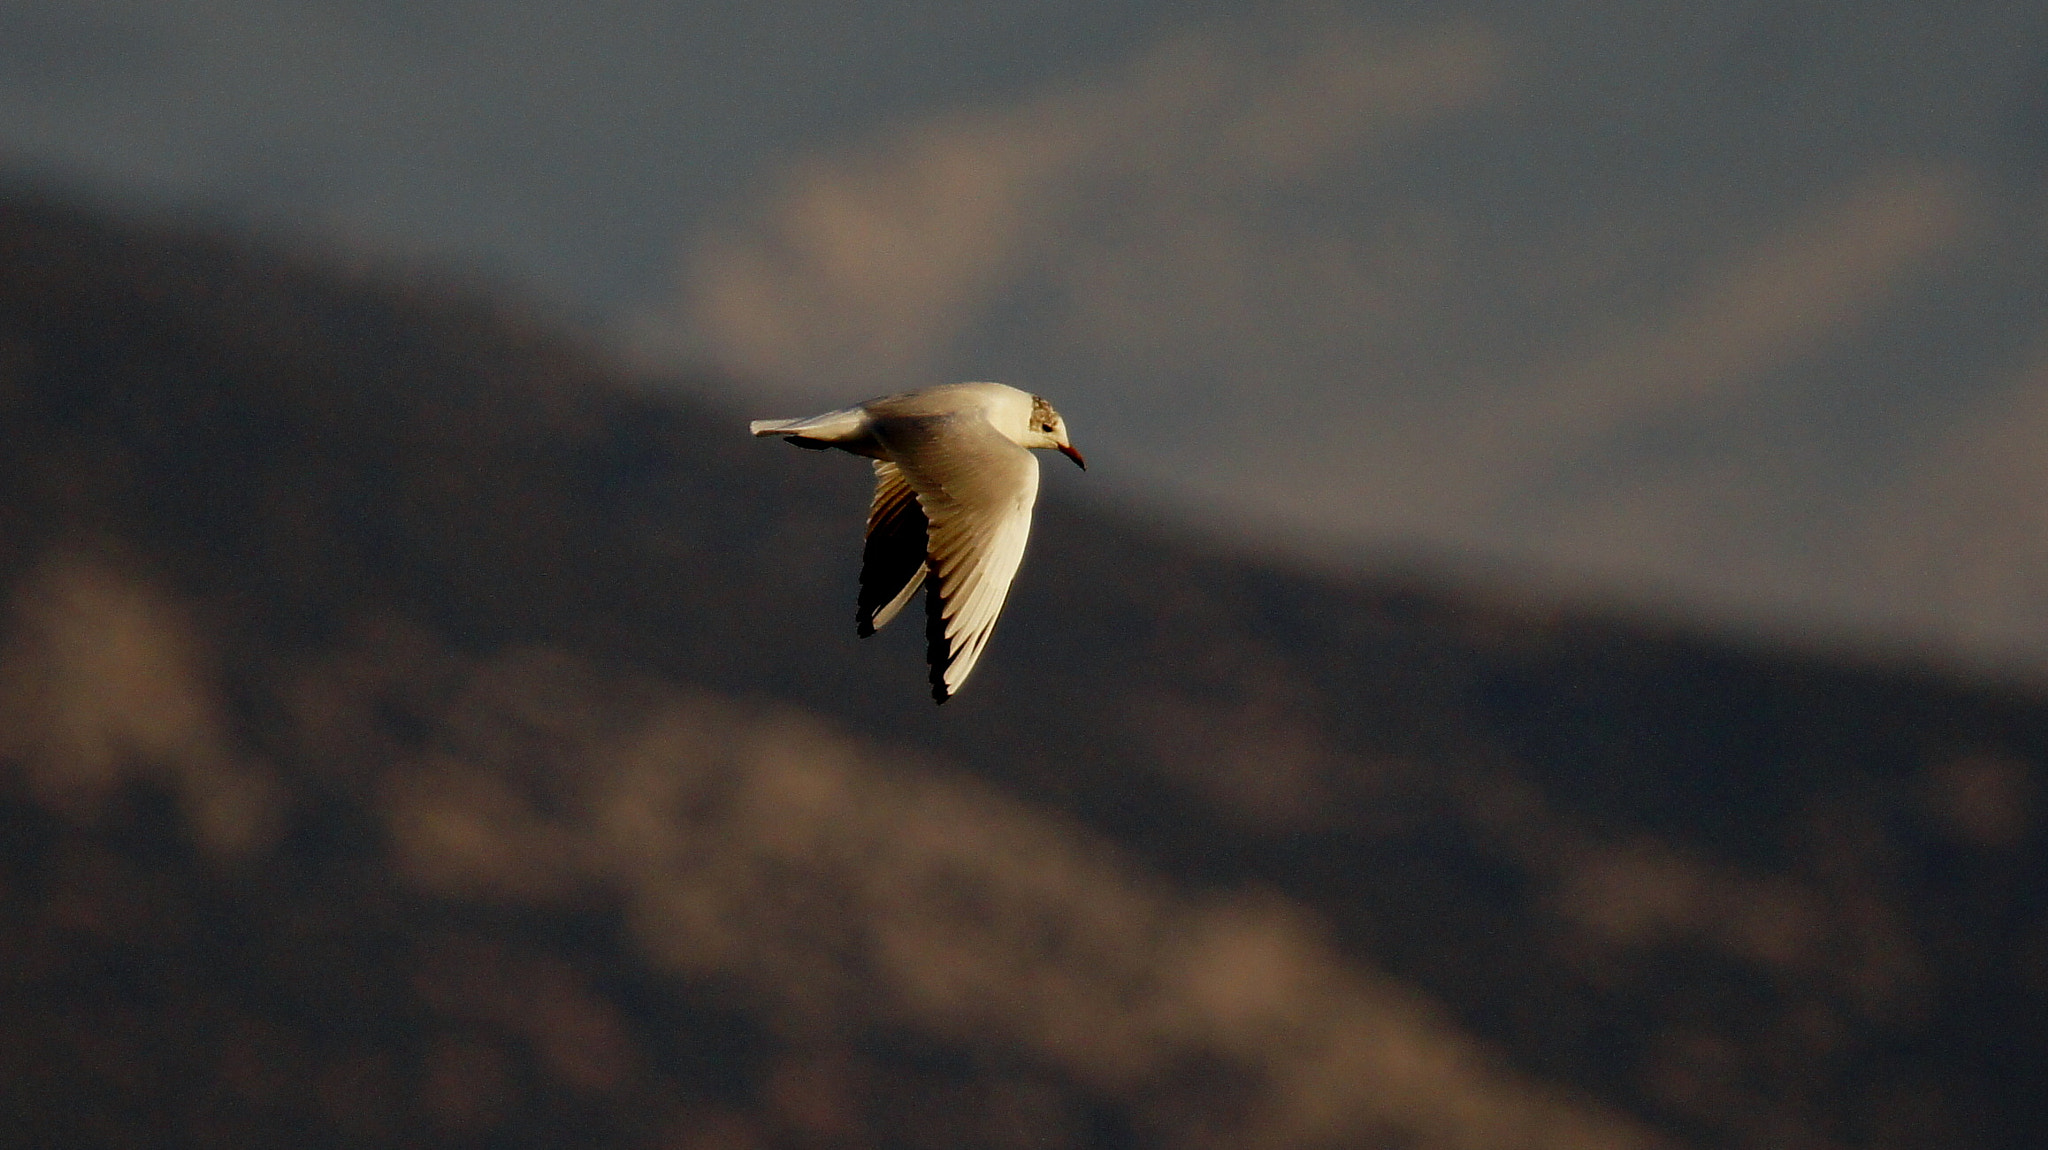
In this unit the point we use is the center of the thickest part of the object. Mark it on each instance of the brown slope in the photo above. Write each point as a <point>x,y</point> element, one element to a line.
<point>398,750</point>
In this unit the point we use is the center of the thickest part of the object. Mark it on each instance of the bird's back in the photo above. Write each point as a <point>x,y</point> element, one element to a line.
<point>949,399</point>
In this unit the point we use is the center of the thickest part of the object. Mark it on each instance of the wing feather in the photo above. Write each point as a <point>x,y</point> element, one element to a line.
<point>976,489</point>
<point>892,562</point>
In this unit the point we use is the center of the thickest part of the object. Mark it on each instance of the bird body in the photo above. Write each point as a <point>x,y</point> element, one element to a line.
<point>955,482</point>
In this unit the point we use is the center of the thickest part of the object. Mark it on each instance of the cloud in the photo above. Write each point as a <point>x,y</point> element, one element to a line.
<point>874,266</point>
<point>1959,542</point>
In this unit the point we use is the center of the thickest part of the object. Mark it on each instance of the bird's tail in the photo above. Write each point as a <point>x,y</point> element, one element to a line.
<point>830,427</point>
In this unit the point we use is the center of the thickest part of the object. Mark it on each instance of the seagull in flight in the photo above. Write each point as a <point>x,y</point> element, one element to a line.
<point>954,486</point>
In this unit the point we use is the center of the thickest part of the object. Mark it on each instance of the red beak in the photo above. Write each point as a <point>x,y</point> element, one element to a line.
<point>1067,449</point>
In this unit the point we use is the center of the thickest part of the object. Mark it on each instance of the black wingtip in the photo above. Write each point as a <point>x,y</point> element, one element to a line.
<point>864,627</point>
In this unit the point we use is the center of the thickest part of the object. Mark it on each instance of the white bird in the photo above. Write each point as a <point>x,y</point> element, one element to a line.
<point>954,486</point>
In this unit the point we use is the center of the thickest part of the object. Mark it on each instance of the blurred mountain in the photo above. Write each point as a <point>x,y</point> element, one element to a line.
<point>413,733</point>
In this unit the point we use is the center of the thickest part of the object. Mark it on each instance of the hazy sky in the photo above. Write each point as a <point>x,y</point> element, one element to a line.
<point>1737,307</point>
<point>570,146</point>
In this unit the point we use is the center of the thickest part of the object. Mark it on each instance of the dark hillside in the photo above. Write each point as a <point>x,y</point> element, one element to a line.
<point>412,735</point>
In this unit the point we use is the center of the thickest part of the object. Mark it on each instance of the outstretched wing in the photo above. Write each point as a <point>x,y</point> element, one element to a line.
<point>892,564</point>
<point>976,489</point>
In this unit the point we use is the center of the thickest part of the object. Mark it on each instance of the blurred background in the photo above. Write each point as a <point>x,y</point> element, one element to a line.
<point>1550,651</point>
<point>1727,308</point>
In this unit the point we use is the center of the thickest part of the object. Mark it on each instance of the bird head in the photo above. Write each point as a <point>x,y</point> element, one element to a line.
<point>1049,430</point>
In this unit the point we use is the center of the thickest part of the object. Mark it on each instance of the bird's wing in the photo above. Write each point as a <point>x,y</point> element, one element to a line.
<point>892,563</point>
<point>976,489</point>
